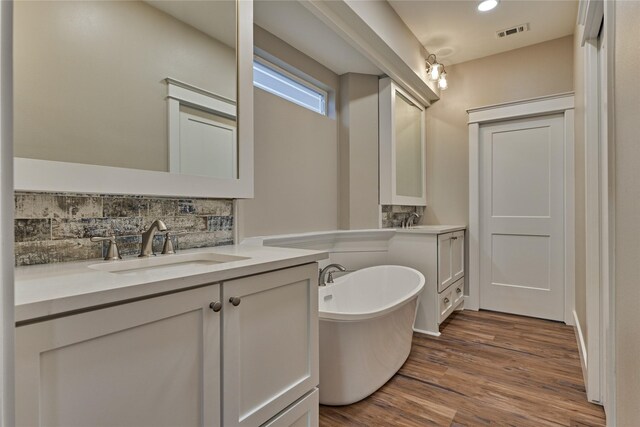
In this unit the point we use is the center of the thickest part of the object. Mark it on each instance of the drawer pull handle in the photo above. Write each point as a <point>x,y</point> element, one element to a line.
<point>454,238</point>
<point>446,300</point>
<point>216,306</point>
<point>235,301</point>
<point>459,290</point>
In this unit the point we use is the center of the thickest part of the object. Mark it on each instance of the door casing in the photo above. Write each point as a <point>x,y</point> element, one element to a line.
<point>554,104</point>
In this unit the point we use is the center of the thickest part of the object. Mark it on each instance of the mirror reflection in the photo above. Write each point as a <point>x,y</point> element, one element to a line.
<point>145,85</point>
<point>408,128</point>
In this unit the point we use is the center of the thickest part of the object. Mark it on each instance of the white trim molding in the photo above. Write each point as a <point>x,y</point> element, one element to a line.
<point>345,22</point>
<point>200,98</point>
<point>597,42</point>
<point>542,106</point>
<point>523,108</point>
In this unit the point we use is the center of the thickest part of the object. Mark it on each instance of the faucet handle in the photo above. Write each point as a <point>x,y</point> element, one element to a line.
<point>112,251</point>
<point>168,243</point>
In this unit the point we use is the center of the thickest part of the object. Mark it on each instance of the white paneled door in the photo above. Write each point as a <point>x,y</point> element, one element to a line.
<point>522,217</point>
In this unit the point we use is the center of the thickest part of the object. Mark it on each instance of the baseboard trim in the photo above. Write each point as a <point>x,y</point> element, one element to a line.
<point>582,347</point>
<point>433,334</point>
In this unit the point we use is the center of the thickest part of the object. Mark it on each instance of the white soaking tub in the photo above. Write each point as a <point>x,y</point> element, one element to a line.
<point>366,326</point>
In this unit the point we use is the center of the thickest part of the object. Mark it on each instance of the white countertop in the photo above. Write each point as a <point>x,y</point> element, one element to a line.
<point>431,229</point>
<point>51,289</point>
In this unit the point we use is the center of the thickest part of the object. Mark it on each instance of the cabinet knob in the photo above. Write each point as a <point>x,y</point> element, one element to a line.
<point>446,300</point>
<point>235,301</point>
<point>458,290</point>
<point>216,306</point>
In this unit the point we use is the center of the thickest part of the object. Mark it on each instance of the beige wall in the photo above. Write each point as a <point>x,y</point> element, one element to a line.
<point>580,165</point>
<point>89,80</point>
<point>627,211</point>
<point>295,154</point>
<point>533,71</point>
<point>358,174</point>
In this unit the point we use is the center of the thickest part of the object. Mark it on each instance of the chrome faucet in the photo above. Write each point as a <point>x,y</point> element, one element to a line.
<point>326,276</point>
<point>412,217</point>
<point>147,238</point>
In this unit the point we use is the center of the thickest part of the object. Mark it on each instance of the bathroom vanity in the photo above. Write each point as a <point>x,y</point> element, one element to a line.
<point>102,344</point>
<point>438,252</point>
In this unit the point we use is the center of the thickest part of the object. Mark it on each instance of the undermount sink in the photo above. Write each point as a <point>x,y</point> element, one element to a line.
<point>165,262</point>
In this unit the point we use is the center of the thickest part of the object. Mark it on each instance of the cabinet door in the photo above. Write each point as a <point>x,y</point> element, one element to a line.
<point>457,255</point>
<point>270,343</point>
<point>445,273</point>
<point>153,362</point>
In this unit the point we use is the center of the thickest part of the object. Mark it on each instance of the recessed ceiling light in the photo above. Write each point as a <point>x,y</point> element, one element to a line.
<point>487,5</point>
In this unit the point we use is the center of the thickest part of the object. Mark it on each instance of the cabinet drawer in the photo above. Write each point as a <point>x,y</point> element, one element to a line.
<point>445,304</point>
<point>450,299</point>
<point>457,291</point>
<point>303,413</point>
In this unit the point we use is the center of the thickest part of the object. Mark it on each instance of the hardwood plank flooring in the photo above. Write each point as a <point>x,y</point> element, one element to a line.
<point>486,369</point>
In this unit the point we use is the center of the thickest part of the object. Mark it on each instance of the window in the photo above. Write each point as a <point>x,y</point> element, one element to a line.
<point>277,81</point>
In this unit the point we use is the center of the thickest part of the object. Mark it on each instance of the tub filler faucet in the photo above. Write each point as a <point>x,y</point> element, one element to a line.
<point>326,274</point>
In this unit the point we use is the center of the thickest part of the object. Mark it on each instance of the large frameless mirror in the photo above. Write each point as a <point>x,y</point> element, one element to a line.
<point>140,85</point>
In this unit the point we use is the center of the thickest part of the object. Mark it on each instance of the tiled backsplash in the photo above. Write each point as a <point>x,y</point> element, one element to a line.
<point>56,227</point>
<point>393,215</point>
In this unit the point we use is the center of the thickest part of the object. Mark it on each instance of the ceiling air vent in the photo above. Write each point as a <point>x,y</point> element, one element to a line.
<point>513,30</point>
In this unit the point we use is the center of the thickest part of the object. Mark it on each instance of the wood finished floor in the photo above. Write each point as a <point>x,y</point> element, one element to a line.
<point>486,369</point>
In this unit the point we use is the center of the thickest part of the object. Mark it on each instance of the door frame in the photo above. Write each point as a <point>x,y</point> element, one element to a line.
<point>554,104</point>
<point>597,19</point>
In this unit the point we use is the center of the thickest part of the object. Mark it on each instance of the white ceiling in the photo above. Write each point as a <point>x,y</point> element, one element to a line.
<point>457,32</point>
<point>291,22</point>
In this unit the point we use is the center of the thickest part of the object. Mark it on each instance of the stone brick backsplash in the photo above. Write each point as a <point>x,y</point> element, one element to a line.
<point>393,215</point>
<point>56,227</point>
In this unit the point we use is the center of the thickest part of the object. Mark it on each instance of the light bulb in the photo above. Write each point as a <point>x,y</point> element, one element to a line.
<point>487,5</point>
<point>442,82</point>
<point>434,72</point>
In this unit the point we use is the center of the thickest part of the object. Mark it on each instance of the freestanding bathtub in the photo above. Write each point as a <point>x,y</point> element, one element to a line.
<point>366,325</point>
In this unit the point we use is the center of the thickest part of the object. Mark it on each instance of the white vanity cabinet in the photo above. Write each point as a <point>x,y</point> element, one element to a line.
<point>438,253</point>
<point>154,362</point>
<point>172,360</point>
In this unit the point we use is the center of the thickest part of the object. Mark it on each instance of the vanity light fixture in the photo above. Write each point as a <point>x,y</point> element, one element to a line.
<point>436,73</point>
<point>487,5</point>
<point>442,81</point>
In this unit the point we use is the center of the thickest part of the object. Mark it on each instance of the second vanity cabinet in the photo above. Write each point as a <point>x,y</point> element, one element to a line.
<point>438,253</point>
<point>173,360</point>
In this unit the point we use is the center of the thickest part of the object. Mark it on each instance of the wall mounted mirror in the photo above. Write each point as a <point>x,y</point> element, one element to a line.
<point>402,147</point>
<point>146,90</point>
